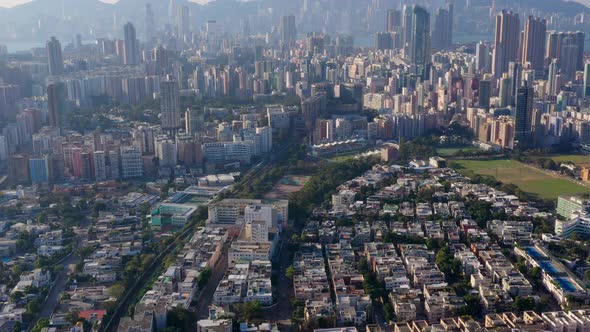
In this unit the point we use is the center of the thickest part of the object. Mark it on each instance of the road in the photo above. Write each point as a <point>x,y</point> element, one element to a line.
<point>58,287</point>
<point>283,289</point>
<point>132,292</point>
<point>61,280</point>
<point>205,297</point>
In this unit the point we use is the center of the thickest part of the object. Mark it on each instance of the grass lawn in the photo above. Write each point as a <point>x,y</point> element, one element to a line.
<point>527,179</point>
<point>343,157</point>
<point>449,152</point>
<point>578,159</point>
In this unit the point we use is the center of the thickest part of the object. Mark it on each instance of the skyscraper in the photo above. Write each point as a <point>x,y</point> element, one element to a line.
<point>515,74</point>
<point>506,41</point>
<point>56,103</point>
<point>569,56</point>
<point>150,23</point>
<point>170,106</point>
<point>384,41</point>
<point>586,80</point>
<point>419,46</point>
<point>407,28</point>
<point>552,78</point>
<point>131,51</point>
<point>523,115</point>
<point>485,92</point>
<point>171,8</point>
<point>505,93</point>
<point>533,50</point>
<point>288,30</point>
<point>55,58</point>
<point>555,43</point>
<point>394,20</point>
<point>442,34</point>
<point>182,21</point>
<point>482,55</point>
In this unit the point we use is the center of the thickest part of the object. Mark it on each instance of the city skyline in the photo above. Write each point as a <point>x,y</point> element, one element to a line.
<point>14,3</point>
<point>295,166</point>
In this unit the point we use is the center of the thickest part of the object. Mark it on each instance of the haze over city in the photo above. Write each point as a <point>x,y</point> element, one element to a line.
<point>12,3</point>
<point>294,165</point>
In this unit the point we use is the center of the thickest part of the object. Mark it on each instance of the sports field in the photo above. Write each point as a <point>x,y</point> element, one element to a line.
<point>287,185</point>
<point>338,158</point>
<point>449,152</point>
<point>528,179</point>
<point>577,159</point>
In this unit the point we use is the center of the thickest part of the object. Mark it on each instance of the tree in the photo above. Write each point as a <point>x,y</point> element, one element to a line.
<point>389,312</point>
<point>72,317</point>
<point>16,296</point>
<point>181,319</point>
<point>522,304</point>
<point>116,290</point>
<point>536,275</point>
<point>248,311</point>
<point>33,306</point>
<point>41,324</point>
<point>290,272</point>
<point>203,278</point>
<point>448,264</point>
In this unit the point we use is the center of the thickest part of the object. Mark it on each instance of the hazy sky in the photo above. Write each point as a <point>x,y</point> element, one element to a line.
<point>12,3</point>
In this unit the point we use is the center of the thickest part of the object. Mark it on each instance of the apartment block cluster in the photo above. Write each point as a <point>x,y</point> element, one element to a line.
<point>419,292</point>
<point>574,216</point>
<point>55,157</point>
<point>245,282</point>
<point>178,286</point>
<point>574,320</point>
<point>256,225</point>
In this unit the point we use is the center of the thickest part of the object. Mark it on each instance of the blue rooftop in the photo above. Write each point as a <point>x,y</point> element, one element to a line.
<point>566,284</point>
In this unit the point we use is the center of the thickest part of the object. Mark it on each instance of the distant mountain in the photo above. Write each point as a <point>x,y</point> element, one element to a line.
<point>583,2</point>
<point>38,20</point>
<point>563,7</point>
<point>58,8</point>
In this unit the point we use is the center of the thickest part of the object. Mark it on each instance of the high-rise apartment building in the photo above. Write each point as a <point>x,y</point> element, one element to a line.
<point>39,167</point>
<point>533,49</point>
<point>150,23</point>
<point>394,20</point>
<point>55,58</point>
<point>56,103</point>
<point>183,21</point>
<point>195,121</point>
<point>384,41</point>
<point>586,90</point>
<point>483,57</point>
<point>131,50</point>
<point>523,115</point>
<point>506,41</point>
<point>442,32</point>
<point>419,43</point>
<point>131,162</point>
<point>555,44</point>
<point>100,165</point>
<point>170,107</point>
<point>288,30</point>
